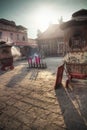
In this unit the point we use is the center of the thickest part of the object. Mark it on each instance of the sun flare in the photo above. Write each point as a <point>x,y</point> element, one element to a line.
<point>43,17</point>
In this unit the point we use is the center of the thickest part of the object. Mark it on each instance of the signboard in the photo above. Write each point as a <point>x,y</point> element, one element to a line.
<point>59,76</point>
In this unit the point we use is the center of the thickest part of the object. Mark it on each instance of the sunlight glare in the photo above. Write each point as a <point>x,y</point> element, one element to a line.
<point>43,17</point>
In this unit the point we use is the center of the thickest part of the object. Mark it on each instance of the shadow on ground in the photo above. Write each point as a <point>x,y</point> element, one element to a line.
<point>73,105</point>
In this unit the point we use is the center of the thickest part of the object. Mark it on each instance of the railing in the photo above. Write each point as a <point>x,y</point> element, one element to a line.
<point>80,68</point>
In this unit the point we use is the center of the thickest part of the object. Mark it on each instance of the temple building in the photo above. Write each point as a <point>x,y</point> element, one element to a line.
<point>15,35</point>
<point>51,42</point>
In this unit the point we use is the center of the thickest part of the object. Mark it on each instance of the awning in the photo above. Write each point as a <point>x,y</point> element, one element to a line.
<point>25,44</point>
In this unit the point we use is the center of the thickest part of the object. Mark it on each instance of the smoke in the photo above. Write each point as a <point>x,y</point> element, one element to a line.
<point>15,51</point>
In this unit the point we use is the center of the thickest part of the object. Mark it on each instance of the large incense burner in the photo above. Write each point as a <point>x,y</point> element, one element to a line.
<point>76,45</point>
<point>6,58</point>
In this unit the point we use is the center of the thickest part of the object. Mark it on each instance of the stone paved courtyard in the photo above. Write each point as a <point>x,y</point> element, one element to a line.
<point>28,100</point>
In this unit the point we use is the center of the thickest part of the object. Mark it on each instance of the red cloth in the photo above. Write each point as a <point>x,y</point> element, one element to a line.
<point>78,75</point>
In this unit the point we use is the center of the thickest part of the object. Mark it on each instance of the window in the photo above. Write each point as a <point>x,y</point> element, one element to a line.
<point>17,36</point>
<point>11,36</point>
<point>23,38</point>
<point>0,35</point>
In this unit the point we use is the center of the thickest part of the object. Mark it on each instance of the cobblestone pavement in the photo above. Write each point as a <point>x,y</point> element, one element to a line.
<point>28,101</point>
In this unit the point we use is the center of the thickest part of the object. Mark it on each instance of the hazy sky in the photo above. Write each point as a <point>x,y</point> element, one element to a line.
<point>37,14</point>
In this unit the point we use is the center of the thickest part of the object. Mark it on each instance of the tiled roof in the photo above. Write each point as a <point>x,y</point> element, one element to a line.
<point>71,23</point>
<point>12,23</point>
<point>31,43</point>
<point>82,12</point>
<point>21,43</point>
<point>7,22</point>
<point>53,31</point>
<point>21,27</point>
<point>79,18</point>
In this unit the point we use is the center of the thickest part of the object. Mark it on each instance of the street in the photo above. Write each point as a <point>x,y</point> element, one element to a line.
<point>28,100</point>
